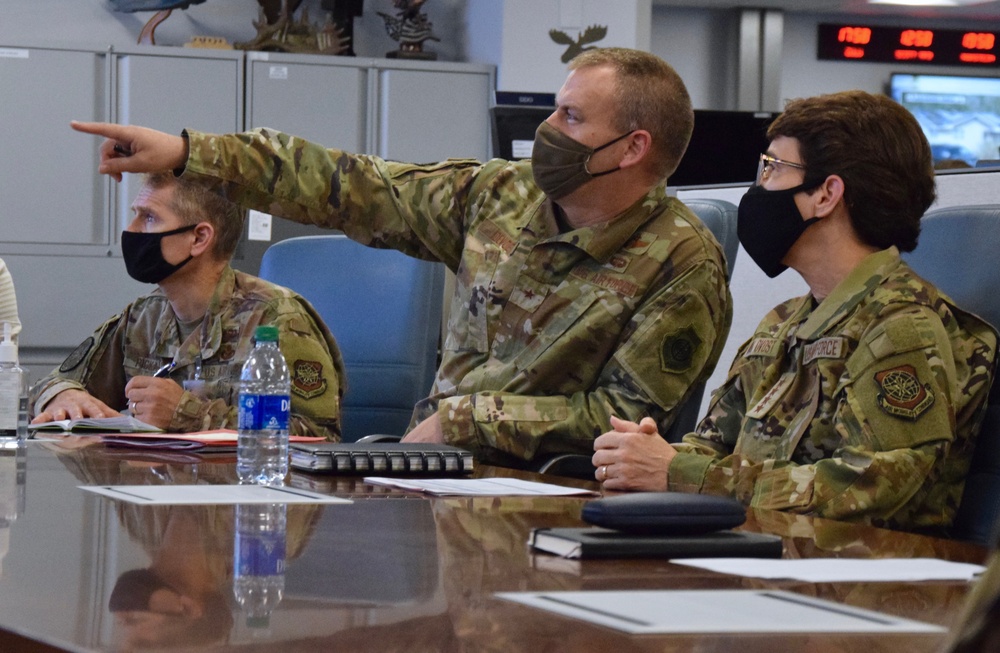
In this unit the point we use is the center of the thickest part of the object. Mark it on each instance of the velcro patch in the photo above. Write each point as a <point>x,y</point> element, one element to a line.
<point>77,355</point>
<point>772,396</point>
<point>641,243</point>
<point>677,351</point>
<point>307,379</point>
<point>823,348</point>
<point>498,236</point>
<point>763,347</point>
<point>618,262</point>
<point>902,393</point>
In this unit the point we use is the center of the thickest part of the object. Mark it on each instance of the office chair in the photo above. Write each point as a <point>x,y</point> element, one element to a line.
<point>956,253</point>
<point>384,309</point>
<point>720,218</point>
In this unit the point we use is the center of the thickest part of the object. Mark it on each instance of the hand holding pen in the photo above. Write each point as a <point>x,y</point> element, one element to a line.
<point>153,399</point>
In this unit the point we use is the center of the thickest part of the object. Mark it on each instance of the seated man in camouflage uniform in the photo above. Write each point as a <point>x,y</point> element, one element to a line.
<point>861,400</point>
<point>199,325</point>
<point>571,268</point>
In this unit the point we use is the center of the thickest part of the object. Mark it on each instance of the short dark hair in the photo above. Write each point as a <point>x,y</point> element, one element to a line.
<point>651,96</point>
<point>878,149</point>
<point>195,200</point>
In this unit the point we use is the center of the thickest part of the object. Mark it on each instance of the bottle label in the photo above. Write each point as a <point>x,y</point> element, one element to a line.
<point>260,554</point>
<point>259,412</point>
<point>10,401</point>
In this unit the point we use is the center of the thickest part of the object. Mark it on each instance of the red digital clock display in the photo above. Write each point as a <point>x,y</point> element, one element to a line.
<point>946,47</point>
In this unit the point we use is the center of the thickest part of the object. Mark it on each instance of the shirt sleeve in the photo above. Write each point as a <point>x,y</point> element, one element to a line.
<point>8,302</point>
<point>896,418</point>
<point>96,366</point>
<point>650,373</point>
<point>419,210</point>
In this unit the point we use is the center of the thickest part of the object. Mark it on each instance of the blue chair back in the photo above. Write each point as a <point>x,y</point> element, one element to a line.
<point>720,218</point>
<point>384,309</point>
<point>955,253</point>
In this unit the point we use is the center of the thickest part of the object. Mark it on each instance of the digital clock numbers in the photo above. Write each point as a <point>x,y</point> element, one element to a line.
<point>947,47</point>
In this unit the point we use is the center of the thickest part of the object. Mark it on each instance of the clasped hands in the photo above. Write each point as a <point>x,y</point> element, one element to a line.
<point>632,456</point>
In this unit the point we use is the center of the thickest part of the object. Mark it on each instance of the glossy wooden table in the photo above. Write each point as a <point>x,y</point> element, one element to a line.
<point>389,572</point>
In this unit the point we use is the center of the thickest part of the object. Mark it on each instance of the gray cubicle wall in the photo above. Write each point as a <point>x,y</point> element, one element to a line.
<point>403,110</point>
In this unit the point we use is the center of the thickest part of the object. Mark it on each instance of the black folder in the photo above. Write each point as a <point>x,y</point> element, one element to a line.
<point>382,458</point>
<point>596,542</point>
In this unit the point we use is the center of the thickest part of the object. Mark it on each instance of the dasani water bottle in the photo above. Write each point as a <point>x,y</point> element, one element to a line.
<point>264,404</point>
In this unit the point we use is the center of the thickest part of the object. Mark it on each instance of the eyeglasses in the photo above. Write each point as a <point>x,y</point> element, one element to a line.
<point>769,165</point>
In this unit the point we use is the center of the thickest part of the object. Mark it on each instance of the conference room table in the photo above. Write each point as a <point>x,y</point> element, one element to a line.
<point>390,571</point>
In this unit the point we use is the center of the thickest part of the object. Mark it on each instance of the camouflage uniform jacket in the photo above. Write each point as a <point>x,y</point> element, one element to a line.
<point>145,336</point>
<point>551,331</point>
<point>863,408</point>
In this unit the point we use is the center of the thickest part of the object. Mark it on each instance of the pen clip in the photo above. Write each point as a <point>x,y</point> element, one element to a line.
<point>165,371</point>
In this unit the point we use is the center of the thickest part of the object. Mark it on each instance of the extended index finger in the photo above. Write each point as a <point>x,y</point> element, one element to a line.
<point>106,129</point>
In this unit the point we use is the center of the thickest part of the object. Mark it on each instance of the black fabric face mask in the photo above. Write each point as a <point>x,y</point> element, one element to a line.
<point>559,163</point>
<point>768,224</point>
<point>144,257</point>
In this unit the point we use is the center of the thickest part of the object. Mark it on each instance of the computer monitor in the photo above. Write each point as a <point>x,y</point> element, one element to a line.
<point>960,115</point>
<point>725,148</point>
<point>514,130</point>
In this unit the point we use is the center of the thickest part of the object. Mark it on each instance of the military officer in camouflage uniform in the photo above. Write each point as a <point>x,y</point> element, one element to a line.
<point>196,329</point>
<point>861,400</point>
<point>583,291</point>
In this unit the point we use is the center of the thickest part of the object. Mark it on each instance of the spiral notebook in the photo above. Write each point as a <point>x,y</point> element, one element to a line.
<point>384,458</point>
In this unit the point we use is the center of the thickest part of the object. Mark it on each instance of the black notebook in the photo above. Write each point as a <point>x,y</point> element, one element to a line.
<point>595,542</point>
<point>382,458</point>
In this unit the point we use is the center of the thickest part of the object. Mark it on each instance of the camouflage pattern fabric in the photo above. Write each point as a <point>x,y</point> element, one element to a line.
<point>145,336</point>
<point>863,408</point>
<point>551,330</point>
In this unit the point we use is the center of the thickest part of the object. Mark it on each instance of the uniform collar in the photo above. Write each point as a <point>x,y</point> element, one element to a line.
<point>209,335</point>
<point>603,240</point>
<point>862,280</point>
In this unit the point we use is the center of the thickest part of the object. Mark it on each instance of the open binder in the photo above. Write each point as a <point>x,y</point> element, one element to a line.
<point>382,457</point>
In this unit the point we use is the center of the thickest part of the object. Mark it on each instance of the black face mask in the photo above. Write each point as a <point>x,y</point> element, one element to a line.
<point>768,224</point>
<point>559,162</point>
<point>144,257</point>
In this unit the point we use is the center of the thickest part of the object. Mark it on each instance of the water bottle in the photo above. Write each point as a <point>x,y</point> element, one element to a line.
<point>13,392</point>
<point>259,562</point>
<point>264,403</point>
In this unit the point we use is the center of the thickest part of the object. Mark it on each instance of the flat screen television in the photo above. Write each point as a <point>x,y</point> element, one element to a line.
<point>725,148</point>
<point>960,115</point>
<point>725,145</point>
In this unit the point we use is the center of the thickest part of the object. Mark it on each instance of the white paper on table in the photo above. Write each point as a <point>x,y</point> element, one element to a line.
<point>834,570</point>
<point>488,487</point>
<point>716,611</point>
<point>151,495</point>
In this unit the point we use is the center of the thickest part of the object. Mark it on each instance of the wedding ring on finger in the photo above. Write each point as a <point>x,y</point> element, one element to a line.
<point>604,473</point>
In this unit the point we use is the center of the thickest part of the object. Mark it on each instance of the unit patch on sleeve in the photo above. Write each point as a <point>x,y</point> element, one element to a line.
<point>678,350</point>
<point>307,379</point>
<point>902,394</point>
<point>77,355</point>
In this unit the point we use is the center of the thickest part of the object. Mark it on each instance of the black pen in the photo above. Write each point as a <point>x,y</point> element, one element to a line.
<point>165,371</point>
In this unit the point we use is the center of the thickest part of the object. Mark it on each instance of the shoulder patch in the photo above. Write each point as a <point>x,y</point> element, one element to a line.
<point>77,355</point>
<point>678,349</point>
<point>307,379</point>
<point>902,394</point>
